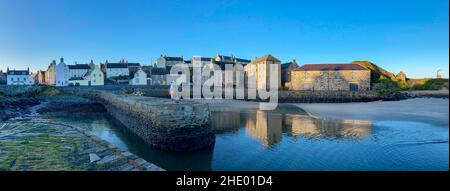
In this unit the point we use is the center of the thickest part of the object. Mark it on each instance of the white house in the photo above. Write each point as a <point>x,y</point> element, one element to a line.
<point>18,77</point>
<point>62,74</point>
<point>138,78</point>
<point>93,77</point>
<point>78,70</point>
<point>116,69</point>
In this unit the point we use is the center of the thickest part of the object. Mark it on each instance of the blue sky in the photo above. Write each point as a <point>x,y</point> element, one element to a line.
<point>409,35</point>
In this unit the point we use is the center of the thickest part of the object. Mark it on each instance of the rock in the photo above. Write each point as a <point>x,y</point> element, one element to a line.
<point>94,158</point>
<point>108,159</point>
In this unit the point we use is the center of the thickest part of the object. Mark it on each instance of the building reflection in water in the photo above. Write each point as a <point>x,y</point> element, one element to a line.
<point>318,128</point>
<point>268,126</point>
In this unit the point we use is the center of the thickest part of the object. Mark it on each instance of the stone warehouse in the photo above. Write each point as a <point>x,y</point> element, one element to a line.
<point>331,77</point>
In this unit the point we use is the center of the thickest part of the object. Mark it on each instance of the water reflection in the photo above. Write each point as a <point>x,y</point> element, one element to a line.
<point>265,127</point>
<point>268,127</point>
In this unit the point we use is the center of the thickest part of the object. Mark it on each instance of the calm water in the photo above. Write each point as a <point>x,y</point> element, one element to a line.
<point>257,140</point>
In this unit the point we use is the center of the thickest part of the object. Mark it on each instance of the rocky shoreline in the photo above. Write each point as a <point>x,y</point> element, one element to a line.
<point>11,107</point>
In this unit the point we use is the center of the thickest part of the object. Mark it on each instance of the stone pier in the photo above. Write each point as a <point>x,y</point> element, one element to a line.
<point>163,123</point>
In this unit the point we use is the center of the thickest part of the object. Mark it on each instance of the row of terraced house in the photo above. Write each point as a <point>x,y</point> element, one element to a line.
<point>346,76</point>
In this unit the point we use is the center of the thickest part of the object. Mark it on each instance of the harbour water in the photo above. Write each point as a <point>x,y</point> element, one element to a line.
<point>401,135</point>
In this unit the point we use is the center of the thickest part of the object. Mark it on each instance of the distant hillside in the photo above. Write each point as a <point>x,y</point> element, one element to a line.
<point>383,80</point>
<point>387,82</point>
<point>377,73</point>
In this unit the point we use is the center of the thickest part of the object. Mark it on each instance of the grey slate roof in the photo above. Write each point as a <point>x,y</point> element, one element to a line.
<point>79,67</point>
<point>222,64</point>
<point>242,60</point>
<point>168,58</point>
<point>134,64</point>
<point>205,59</point>
<point>18,72</point>
<point>116,65</point>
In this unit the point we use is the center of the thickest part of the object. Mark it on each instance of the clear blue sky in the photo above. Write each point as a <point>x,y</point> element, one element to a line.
<point>409,35</point>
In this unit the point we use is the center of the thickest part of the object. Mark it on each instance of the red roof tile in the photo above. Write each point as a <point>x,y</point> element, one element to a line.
<point>328,67</point>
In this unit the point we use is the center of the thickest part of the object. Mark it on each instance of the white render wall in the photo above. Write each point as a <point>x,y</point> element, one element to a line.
<point>77,72</point>
<point>19,80</point>
<point>140,78</point>
<point>62,74</point>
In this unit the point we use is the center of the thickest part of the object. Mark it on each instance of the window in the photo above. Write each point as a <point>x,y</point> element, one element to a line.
<point>307,86</point>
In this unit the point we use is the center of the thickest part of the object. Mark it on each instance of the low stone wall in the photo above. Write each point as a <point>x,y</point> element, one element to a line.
<point>17,90</point>
<point>427,93</point>
<point>163,123</point>
<point>149,91</point>
<point>331,96</point>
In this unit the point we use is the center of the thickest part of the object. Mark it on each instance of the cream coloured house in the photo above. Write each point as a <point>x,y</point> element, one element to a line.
<point>259,70</point>
<point>50,74</point>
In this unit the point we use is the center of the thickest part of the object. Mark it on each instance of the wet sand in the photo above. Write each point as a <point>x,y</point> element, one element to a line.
<point>429,110</point>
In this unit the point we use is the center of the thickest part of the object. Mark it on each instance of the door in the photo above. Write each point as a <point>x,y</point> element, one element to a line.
<point>353,87</point>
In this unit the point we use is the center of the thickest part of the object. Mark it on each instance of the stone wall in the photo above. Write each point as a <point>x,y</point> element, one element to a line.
<point>162,123</point>
<point>330,96</point>
<point>18,90</point>
<point>330,80</point>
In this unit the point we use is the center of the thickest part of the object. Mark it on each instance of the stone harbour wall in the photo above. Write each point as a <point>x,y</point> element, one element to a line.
<point>165,124</point>
<point>331,96</point>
